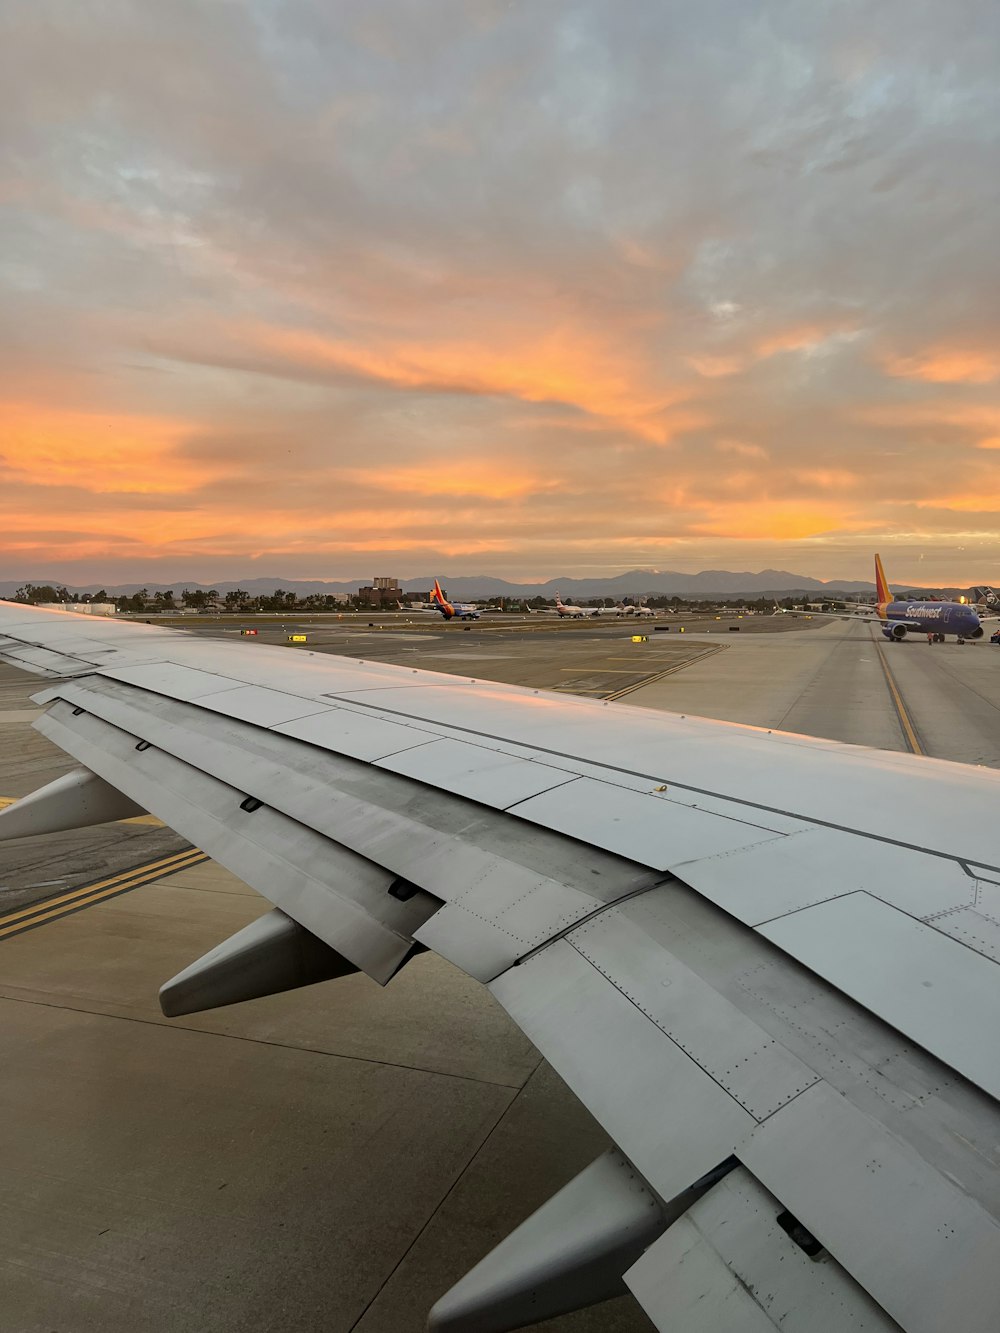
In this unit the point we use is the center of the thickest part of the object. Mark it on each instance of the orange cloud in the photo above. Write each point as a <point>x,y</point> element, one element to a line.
<point>943,365</point>
<point>565,366</point>
<point>798,338</point>
<point>772,522</point>
<point>458,478</point>
<point>96,451</point>
<point>827,478</point>
<point>969,416</point>
<point>717,367</point>
<point>742,448</point>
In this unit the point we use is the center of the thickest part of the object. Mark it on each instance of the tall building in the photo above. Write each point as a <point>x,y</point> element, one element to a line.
<point>382,592</point>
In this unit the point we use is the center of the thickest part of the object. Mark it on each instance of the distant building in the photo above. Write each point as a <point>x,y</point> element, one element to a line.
<point>381,593</point>
<point>82,608</point>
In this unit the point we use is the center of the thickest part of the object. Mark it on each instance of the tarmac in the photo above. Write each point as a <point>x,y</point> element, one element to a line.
<point>335,1158</point>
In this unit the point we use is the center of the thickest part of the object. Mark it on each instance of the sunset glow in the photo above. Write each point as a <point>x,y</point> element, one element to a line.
<point>495,289</point>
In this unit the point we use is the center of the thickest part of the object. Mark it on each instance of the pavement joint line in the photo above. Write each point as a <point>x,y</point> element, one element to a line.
<point>668,671</point>
<point>907,727</point>
<point>261,1041</point>
<point>460,1176</point>
<point>50,909</point>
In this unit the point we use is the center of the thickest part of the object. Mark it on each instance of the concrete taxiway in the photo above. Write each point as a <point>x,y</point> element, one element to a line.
<point>336,1157</point>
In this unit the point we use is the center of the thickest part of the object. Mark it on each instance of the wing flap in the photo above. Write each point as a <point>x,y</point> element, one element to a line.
<point>753,1068</point>
<point>60,643</point>
<point>510,895</point>
<point>671,1118</point>
<point>43,661</point>
<point>727,1264</point>
<point>683,1283</point>
<point>342,898</point>
<point>926,1251</point>
<point>913,976</point>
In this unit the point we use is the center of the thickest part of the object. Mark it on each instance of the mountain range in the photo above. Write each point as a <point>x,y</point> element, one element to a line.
<point>635,583</point>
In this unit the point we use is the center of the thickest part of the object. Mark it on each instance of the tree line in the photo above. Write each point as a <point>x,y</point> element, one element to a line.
<point>239,601</point>
<point>194,599</point>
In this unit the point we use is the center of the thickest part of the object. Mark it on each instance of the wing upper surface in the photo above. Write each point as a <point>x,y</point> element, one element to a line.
<point>703,926</point>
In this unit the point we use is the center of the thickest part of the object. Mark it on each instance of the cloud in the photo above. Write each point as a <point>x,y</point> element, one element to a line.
<point>534,291</point>
<point>97,452</point>
<point>945,365</point>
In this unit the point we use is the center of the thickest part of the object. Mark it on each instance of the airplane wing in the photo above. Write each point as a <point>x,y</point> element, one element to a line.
<point>769,975</point>
<point>874,619</point>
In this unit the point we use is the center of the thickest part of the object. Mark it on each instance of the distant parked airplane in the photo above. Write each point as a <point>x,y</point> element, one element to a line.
<point>574,612</point>
<point>985,596</point>
<point>625,609</point>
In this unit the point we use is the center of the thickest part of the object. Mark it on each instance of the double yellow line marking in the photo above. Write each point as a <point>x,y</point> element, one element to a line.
<point>908,729</point>
<point>52,908</point>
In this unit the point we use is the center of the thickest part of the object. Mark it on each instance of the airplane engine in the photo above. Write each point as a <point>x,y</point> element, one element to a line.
<point>976,633</point>
<point>897,632</point>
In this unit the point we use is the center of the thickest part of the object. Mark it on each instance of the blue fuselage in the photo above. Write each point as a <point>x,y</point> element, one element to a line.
<point>934,618</point>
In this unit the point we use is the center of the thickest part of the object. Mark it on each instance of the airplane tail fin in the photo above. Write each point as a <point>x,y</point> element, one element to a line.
<point>882,592</point>
<point>441,602</point>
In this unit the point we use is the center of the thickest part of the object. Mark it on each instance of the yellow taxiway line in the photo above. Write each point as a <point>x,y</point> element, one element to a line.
<point>906,725</point>
<point>26,918</point>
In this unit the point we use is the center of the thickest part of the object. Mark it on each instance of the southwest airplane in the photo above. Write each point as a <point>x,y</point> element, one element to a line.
<point>901,618</point>
<point>452,610</point>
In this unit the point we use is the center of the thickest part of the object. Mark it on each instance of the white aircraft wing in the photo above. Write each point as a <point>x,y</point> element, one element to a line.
<point>873,619</point>
<point>758,960</point>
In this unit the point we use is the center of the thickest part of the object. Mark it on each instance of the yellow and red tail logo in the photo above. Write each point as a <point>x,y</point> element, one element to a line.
<point>438,596</point>
<point>883,595</point>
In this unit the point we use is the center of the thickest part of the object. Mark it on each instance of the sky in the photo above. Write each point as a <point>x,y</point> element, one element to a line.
<point>531,288</point>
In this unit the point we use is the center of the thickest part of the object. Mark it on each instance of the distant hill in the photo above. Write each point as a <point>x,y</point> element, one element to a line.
<point>635,583</point>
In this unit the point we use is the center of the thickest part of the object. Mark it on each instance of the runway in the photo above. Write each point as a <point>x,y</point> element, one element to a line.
<point>336,1157</point>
